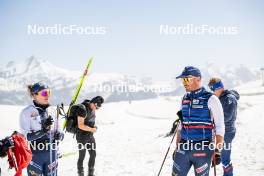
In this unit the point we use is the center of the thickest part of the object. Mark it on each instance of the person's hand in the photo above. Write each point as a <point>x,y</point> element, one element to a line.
<point>2,152</point>
<point>57,136</point>
<point>174,154</point>
<point>47,123</point>
<point>216,158</point>
<point>179,114</point>
<point>6,144</point>
<point>93,130</point>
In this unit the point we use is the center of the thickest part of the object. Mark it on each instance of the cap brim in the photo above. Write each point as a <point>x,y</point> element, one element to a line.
<point>179,77</point>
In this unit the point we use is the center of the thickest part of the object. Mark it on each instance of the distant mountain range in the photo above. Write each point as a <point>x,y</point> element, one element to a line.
<point>14,78</point>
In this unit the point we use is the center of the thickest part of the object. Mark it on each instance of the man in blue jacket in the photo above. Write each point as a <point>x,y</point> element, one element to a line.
<point>228,99</point>
<point>202,125</point>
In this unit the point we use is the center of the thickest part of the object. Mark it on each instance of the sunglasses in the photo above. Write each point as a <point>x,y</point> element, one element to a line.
<point>45,93</point>
<point>186,79</point>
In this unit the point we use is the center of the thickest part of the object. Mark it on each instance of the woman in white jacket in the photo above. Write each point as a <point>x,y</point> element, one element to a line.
<point>37,125</point>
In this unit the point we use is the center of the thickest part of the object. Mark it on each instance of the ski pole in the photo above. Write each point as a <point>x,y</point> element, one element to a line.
<point>214,164</point>
<point>50,141</point>
<point>50,147</point>
<point>169,147</point>
<point>56,126</point>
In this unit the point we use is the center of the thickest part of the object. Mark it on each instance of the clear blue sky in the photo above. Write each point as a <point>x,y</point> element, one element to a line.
<point>133,44</point>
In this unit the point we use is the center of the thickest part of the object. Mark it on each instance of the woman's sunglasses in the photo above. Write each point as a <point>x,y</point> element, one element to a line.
<point>45,93</point>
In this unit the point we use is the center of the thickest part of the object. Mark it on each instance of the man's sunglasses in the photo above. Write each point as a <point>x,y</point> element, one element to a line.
<point>186,79</point>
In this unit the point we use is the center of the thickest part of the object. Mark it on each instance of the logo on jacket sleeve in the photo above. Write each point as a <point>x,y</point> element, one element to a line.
<point>186,101</point>
<point>34,115</point>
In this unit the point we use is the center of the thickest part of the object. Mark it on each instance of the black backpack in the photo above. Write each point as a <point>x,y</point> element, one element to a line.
<point>72,120</point>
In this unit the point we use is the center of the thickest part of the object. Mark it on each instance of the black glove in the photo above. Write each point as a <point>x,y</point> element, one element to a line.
<point>57,135</point>
<point>2,151</point>
<point>47,123</point>
<point>5,144</point>
<point>216,158</point>
<point>8,142</point>
<point>173,128</point>
<point>179,114</point>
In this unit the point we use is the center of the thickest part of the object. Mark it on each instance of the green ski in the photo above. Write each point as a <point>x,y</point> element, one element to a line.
<point>76,94</point>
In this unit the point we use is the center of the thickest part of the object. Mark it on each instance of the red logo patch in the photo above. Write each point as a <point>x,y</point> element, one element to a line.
<point>199,154</point>
<point>186,101</point>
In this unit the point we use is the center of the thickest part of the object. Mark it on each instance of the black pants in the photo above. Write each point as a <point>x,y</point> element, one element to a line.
<point>86,142</point>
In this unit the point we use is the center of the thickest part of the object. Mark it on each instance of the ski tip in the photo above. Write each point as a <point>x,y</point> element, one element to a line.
<point>90,59</point>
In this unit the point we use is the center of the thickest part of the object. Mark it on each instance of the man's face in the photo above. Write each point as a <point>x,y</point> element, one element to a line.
<point>94,106</point>
<point>191,83</point>
<point>218,92</point>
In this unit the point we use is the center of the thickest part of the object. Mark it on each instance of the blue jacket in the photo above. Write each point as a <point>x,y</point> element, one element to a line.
<point>229,100</point>
<point>197,124</point>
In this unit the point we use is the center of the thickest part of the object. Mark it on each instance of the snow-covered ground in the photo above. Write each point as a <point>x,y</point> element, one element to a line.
<point>252,88</point>
<point>129,141</point>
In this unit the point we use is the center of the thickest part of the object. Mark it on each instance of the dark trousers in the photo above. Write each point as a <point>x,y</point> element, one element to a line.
<point>86,142</point>
<point>185,159</point>
<point>226,154</point>
<point>42,165</point>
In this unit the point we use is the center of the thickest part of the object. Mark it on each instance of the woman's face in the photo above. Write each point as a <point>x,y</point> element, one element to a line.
<point>42,97</point>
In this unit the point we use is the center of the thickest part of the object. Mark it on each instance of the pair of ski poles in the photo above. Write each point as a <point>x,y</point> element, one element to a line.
<point>174,134</point>
<point>56,142</point>
<point>56,129</point>
<point>53,165</point>
<point>61,108</point>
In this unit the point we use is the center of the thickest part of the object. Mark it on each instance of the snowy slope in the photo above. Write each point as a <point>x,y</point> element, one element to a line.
<point>113,86</point>
<point>14,78</point>
<point>251,88</point>
<point>129,142</point>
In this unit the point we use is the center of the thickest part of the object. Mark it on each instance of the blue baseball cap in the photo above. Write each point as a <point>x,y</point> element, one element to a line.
<point>37,87</point>
<point>190,71</point>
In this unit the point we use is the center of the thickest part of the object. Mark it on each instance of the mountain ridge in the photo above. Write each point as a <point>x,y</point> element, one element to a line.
<point>14,78</point>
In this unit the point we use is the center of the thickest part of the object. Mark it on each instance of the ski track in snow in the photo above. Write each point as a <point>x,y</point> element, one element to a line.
<point>127,143</point>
